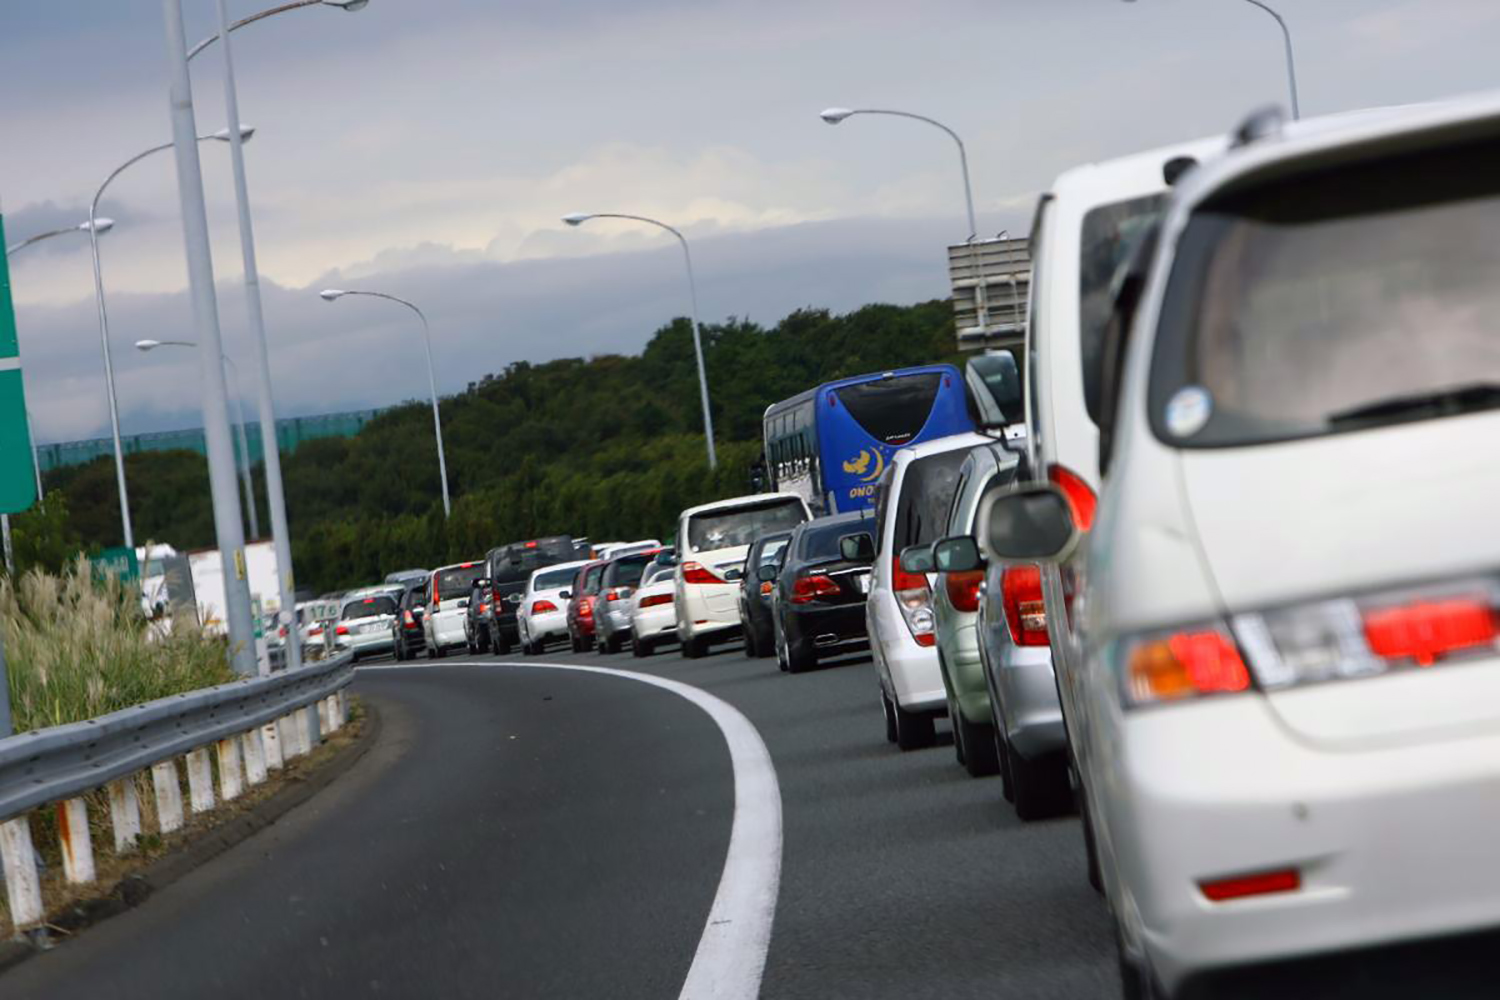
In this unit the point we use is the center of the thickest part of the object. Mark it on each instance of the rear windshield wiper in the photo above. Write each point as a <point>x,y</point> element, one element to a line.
<point>1434,403</point>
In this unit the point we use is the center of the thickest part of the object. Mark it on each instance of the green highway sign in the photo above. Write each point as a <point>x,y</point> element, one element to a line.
<point>119,561</point>
<point>17,485</point>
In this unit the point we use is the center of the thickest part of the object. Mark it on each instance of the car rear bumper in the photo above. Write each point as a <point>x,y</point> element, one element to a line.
<point>547,625</point>
<point>1391,844</point>
<point>821,627</point>
<point>367,642</point>
<point>651,622</point>
<point>1028,706</point>
<point>709,608</point>
<point>449,631</point>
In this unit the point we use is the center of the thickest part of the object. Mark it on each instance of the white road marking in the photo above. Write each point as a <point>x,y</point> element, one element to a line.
<point>731,955</point>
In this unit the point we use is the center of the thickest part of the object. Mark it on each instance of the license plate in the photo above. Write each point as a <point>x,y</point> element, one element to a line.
<point>372,627</point>
<point>863,579</point>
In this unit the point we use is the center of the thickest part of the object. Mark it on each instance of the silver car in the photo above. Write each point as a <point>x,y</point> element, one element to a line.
<point>364,624</point>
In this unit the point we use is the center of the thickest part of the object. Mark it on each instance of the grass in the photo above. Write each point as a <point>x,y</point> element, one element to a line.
<point>77,648</point>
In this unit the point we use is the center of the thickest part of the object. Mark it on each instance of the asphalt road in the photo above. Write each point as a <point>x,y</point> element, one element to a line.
<point>523,832</point>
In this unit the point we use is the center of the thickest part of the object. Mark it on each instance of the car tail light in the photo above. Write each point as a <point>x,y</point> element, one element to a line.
<point>963,589</point>
<point>694,572</point>
<point>1187,663</point>
<point>341,630</point>
<point>586,608</point>
<point>655,600</point>
<point>542,607</point>
<point>1258,884</point>
<point>315,630</point>
<point>484,607</point>
<point>408,618</point>
<point>806,589</point>
<point>767,586</point>
<point>914,598</point>
<point>1021,597</point>
<point>1081,498</point>
<point>617,594</point>
<point>1350,637</point>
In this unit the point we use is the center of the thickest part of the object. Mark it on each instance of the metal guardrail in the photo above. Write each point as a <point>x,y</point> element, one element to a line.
<point>253,725</point>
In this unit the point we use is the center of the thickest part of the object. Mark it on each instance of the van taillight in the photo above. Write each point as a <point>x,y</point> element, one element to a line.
<point>963,589</point>
<point>914,598</point>
<point>694,572</point>
<point>1021,597</point>
<point>1081,498</point>
<point>542,607</point>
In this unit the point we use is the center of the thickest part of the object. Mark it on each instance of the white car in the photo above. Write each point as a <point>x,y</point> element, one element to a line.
<point>912,509</point>
<point>712,540</point>
<point>543,613</point>
<point>1288,714</point>
<point>444,621</point>
<point>364,621</point>
<point>653,610</point>
<point>611,549</point>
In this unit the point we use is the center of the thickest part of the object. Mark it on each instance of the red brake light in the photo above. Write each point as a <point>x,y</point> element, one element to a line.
<point>806,589</point>
<point>902,580</point>
<point>1219,890</point>
<point>531,545</point>
<point>767,586</point>
<point>655,600</point>
<point>963,589</point>
<point>1184,664</point>
<point>1021,597</point>
<point>341,630</point>
<point>369,600</point>
<point>914,600</point>
<point>1081,498</point>
<point>586,607</point>
<point>483,607</point>
<point>542,607</point>
<point>694,572</point>
<point>1425,630</point>
<point>315,630</point>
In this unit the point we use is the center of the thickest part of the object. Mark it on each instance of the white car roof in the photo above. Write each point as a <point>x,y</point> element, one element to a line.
<point>363,592</point>
<point>744,501</point>
<point>1110,180</point>
<point>937,446</point>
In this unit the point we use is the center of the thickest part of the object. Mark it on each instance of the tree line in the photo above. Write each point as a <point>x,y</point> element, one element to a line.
<point>607,447</point>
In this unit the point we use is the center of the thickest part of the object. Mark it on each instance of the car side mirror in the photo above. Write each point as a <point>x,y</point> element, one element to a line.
<point>767,573</point>
<point>857,548</point>
<point>917,559</point>
<point>1031,523</point>
<point>959,554</point>
<point>994,380</point>
<point>566,595</point>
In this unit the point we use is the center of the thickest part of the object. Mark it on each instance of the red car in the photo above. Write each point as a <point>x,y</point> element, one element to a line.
<point>581,606</point>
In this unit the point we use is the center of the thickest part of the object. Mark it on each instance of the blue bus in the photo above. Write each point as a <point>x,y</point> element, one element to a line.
<point>830,445</point>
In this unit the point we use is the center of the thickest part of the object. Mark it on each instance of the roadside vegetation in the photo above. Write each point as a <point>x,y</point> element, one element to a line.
<point>610,447</point>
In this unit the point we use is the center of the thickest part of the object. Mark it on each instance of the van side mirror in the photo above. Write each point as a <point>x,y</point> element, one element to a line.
<point>917,559</point>
<point>767,573</point>
<point>1031,523</point>
<point>959,554</point>
<point>566,595</point>
<point>994,381</point>
<point>857,548</point>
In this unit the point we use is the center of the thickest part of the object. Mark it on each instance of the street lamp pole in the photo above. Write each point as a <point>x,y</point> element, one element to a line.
<point>228,529</point>
<point>330,294</point>
<point>109,367</point>
<point>239,406</point>
<point>270,446</point>
<point>579,218</point>
<point>103,226</point>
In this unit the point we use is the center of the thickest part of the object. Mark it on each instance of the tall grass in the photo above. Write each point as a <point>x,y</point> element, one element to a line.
<point>77,647</point>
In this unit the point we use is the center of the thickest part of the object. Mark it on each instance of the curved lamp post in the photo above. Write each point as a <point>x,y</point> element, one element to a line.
<point>330,294</point>
<point>579,218</point>
<point>93,230</point>
<point>1291,62</point>
<point>145,346</point>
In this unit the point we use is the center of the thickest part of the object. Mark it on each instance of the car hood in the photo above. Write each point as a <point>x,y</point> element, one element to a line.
<point>1348,514</point>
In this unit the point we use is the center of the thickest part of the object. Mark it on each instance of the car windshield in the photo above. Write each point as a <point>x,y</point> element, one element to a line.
<point>728,528</point>
<point>821,543</point>
<point>554,579</point>
<point>1339,300</point>
<point>627,571</point>
<point>369,607</point>
<point>456,581</point>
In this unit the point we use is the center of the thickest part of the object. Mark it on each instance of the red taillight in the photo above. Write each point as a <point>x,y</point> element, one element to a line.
<point>1080,497</point>
<point>902,580</point>
<point>1184,664</point>
<point>693,572</point>
<point>1424,631</point>
<point>531,545</point>
<point>483,607</point>
<point>341,630</point>
<point>963,589</point>
<point>655,600</point>
<point>586,608</point>
<point>914,599</point>
<point>806,589</point>
<point>315,630</point>
<point>1021,597</point>
<point>613,595</point>
<point>767,587</point>
<point>1219,890</point>
<point>408,617</point>
<point>542,607</point>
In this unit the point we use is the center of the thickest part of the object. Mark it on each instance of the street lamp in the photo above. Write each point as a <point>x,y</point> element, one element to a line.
<point>834,116</point>
<point>145,346</point>
<point>102,225</point>
<point>94,229</point>
<point>1291,63</point>
<point>270,449</point>
<point>330,294</point>
<point>579,218</point>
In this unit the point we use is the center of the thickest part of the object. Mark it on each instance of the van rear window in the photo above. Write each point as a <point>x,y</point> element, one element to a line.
<point>728,528</point>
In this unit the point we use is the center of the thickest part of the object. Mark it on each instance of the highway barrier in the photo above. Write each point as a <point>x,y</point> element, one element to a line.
<point>251,727</point>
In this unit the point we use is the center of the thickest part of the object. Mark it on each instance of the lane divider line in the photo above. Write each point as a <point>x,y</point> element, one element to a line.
<point>731,955</point>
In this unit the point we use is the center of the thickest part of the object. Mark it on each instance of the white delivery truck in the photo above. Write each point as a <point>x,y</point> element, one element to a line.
<point>208,584</point>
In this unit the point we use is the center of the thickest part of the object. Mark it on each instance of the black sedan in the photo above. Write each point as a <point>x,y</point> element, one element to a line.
<point>818,603</point>
<point>755,593</point>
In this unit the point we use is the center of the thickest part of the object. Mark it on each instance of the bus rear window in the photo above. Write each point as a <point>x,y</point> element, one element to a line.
<point>892,410</point>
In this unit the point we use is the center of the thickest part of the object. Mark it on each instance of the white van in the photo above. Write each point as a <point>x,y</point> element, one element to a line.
<point>447,606</point>
<point>712,540</point>
<point>1286,651</point>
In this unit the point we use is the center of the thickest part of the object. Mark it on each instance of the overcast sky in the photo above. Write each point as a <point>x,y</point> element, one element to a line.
<point>427,148</point>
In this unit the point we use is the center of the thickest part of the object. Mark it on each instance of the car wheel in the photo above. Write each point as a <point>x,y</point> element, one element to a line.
<point>980,758</point>
<point>914,730</point>
<point>890,717</point>
<point>1002,752</point>
<point>439,652</point>
<point>958,734</point>
<point>752,648</point>
<point>1040,786</point>
<point>799,656</point>
<point>501,645</point>
<point>694,647</point>
<point>1136,980</point>
<point>1090,846</point>
<point>779,639</point>
<point>431,653</point>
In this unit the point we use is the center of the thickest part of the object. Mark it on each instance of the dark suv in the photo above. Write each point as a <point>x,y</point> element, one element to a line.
<point>406,630</point>
<point>508,568</point>
<point>755,593</point>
